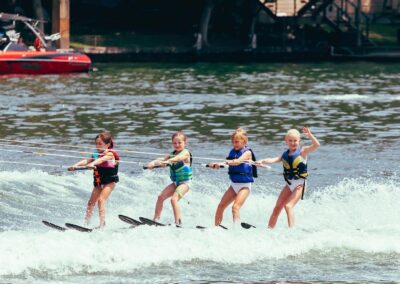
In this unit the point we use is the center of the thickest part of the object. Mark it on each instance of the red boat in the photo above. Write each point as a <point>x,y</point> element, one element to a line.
<point>40,58</point>
<point>42,62</point>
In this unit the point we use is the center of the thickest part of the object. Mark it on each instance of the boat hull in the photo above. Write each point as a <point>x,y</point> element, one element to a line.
<point>43,62</point>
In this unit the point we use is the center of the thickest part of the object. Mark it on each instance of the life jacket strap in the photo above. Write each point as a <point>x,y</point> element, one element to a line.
<point>304,188</point>
<point>286,179</point>
<point>97,177</point>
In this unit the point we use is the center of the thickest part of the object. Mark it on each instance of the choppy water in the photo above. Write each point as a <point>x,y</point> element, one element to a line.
<point>347,228</point>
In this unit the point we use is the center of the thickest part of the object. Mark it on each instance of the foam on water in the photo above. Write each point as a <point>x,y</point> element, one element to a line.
<point>353,216</point>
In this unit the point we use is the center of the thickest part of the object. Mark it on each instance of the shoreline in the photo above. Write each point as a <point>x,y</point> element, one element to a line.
<point>241,55</point>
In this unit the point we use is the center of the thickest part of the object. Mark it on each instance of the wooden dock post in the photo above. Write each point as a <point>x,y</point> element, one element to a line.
<point>61,22</point>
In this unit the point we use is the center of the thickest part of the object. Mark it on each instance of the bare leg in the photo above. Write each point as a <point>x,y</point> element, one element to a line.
<point>91,203</point>
<point>228,197</point>
<point>166,193</point>
<point>291,202</point>
<point>280,203</point>
<point>183,189</point>
<point>104,194</point>
<point>239,201</point>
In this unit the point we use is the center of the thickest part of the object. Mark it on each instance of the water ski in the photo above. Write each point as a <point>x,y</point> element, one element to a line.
<point>150,222</point>
<point>247,226</point>
<point>202,228</point>
<point>54,226</point>
<point>78,228</point>
<point>130,220</point>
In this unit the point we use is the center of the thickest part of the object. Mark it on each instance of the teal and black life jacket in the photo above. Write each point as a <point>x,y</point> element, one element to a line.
<point>180,171</point>
<point>242,173</point>
<point>294,166</point>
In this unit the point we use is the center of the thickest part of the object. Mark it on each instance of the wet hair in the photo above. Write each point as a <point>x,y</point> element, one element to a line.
<point>293,132</point>
<point>107,138</point>
<point>241,134</point>
<point>179,133</point>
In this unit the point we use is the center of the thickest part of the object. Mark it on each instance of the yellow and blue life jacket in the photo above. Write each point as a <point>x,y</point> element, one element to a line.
<point>242,173</point>
<point>180,171</point>
<point>294,166</point>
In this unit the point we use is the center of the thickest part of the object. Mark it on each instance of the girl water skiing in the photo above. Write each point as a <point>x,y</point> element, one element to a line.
<point>241,174</point>
<point>105,162</point>
<point>294,162</point>
<point>180,162</point>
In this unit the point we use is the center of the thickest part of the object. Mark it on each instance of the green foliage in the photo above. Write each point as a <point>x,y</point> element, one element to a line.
<point>384,34</point>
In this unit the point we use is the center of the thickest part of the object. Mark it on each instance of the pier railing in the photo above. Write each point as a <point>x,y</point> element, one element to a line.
<point>344,16</point>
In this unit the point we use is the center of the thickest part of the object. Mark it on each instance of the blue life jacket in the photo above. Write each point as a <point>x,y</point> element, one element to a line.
<point>180,171</point>
<point>294,166</point>
<point>242,173</point>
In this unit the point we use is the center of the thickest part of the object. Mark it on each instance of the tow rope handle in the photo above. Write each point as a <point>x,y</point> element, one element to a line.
<point>81,168</point>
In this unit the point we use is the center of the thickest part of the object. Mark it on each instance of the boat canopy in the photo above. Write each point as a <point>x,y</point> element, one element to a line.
<point>8,33</point>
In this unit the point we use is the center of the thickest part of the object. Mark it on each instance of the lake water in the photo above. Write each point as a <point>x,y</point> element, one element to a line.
<point>347,226</point>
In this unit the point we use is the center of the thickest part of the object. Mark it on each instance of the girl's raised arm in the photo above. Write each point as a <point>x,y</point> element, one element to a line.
<point>314,142</point>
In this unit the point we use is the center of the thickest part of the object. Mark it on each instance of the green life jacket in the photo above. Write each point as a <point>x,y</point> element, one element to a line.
<point>180,171</point>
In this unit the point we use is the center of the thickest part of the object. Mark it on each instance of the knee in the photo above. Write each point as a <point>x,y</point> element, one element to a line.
<point>174,200</point>
<point>101,201</point>
<point>160,198</point>
<point>288,207</point>
<point>235,208</point>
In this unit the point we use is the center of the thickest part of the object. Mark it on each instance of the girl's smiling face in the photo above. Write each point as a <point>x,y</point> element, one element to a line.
<point>178,143</point>
<point>292,141</point>
<point>101,146</point>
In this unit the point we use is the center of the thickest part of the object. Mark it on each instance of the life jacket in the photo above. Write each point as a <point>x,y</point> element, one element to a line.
<point>294,166</point>
<point>242,173</point>
<point>107,171</point>
<point>180,171</point>
<point>37,44</point>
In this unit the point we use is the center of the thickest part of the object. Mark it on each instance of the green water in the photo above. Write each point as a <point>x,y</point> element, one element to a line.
<point>347,227</point>
<point>343,103</point>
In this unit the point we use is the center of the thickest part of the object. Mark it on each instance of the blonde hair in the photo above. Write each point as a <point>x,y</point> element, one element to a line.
<point>293,132</point>
<point>240,133</point>
<point>179,133</point>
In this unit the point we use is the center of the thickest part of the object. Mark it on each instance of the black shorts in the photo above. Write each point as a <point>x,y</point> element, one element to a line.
<point>106,179</point>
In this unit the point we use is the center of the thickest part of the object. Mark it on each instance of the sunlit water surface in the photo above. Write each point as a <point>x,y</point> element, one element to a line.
<point>347,227</point>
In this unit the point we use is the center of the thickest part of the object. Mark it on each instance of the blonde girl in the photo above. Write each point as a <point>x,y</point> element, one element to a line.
<point>294,161</point>
<point>241,174</point>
